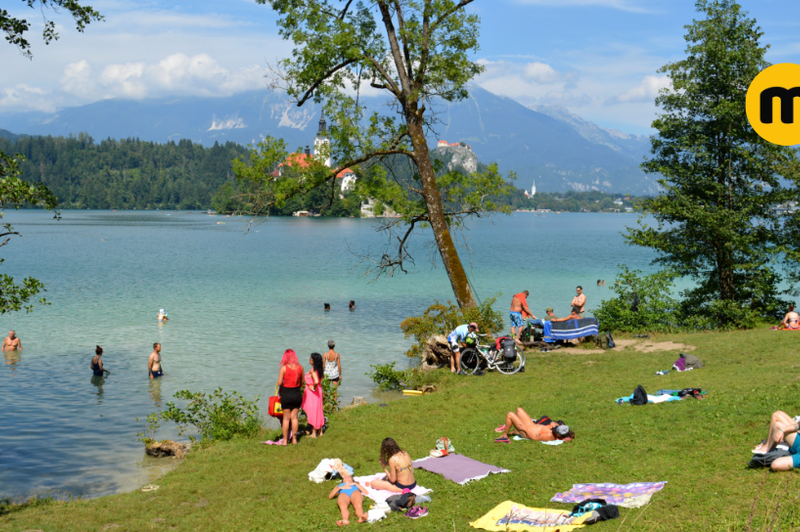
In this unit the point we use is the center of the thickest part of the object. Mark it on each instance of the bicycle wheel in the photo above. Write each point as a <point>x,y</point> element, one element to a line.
<point>509,367</point>
<point>470,360</point>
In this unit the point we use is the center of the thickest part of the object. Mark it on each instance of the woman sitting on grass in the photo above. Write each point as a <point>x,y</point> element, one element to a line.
<point>350,492</point>
<point>400,474</point>
<point>782,428</point>
<point>545,429</point>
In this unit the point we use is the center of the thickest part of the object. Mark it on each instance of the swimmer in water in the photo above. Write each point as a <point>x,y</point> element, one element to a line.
<point>97,363</point>
<point>162,315</point>
<point>12,343</point>
<point>154,368</point>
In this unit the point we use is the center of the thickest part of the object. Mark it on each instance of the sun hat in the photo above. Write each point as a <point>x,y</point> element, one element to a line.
<point>161,311</point>
<point>474,325</point>
<point>562,430</point>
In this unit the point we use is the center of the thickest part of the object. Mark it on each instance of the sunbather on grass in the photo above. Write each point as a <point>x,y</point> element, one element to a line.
<point>349,492</point>
<point>522,424</point>
<point>782,428</point>
<point>397,466</point>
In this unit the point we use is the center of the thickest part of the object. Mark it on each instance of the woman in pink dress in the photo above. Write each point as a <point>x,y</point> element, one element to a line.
<point>312,398</point>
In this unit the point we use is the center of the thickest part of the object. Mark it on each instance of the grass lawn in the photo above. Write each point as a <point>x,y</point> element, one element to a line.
<point>699,447</point>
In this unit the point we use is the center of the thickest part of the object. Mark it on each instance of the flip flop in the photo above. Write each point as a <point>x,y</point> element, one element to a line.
<point>501,428</point>
<point>502,440</point>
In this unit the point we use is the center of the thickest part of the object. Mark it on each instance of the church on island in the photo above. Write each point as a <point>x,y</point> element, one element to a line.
<point>298,161</point>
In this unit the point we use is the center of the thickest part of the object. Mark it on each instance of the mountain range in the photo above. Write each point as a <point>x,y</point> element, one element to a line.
<point>557,149</point>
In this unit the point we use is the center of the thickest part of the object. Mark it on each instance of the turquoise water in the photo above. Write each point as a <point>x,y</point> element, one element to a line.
<point>237,300</point>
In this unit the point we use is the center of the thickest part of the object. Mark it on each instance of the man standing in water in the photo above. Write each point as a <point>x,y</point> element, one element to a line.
<point>154,362</point>
<point>12,343</point>
<point>579,301</point>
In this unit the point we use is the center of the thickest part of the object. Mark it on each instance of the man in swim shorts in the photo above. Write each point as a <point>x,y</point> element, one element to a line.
<point>12,343</point>
<point>154,362</point>
<point>455,338</point>
<point>579,301</point>
<point>519,313</point>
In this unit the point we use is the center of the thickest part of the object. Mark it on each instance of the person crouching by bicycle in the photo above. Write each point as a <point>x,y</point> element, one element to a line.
<point>455,338</point>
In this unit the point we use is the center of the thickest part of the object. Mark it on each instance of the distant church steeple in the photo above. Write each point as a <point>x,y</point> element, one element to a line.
<point>322,140</point>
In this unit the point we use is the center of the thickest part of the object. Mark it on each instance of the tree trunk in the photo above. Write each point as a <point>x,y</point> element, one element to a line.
<point>430,191</point>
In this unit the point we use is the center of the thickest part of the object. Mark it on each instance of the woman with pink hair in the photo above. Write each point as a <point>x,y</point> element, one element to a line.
<point>289,381</point>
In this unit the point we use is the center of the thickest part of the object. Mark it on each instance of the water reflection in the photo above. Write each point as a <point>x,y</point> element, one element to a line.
<point>97,381</point>
<point>12,358</point>
<point>155,392</point>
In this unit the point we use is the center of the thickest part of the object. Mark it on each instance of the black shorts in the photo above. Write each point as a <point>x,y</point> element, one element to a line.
<point>291,398</point>
<point>335,380</point>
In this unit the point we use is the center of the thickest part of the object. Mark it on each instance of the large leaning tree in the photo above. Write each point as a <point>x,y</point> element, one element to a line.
<point>716,218</point>
<point>418,54</point>
<point>14,192</point>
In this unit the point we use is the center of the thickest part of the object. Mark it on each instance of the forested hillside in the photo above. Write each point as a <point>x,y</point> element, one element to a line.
<point>125,174</point>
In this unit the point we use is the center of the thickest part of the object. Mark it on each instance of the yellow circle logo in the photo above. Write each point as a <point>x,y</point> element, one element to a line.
<point>773,104</point>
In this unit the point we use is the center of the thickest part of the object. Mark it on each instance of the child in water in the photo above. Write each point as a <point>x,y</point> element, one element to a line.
<point>349,492</point>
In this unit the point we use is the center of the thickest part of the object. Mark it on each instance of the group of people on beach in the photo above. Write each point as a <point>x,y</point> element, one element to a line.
<point>290,390</point>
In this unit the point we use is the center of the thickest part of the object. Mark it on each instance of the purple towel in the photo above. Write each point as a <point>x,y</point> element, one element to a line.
<point>458,468</point>
<point>632,495</point>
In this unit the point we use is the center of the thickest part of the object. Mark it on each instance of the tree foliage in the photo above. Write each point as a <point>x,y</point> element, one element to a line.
<point>417,52</point>
<point>16,28</point>
<point>716,221</point>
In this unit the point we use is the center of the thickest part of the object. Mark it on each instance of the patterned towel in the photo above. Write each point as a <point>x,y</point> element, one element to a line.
<point>512,516</point>
<point>632,495</point>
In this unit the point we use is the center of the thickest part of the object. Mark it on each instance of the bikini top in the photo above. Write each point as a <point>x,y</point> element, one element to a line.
<point>399,469</point>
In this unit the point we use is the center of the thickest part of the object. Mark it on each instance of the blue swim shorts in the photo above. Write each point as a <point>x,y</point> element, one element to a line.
<point>516,319</point>
<point>795,450</point>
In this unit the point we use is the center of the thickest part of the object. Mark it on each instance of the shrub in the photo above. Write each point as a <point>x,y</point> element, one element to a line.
<point>330,398</point>
<point>218,416</point>
<point>642,303</point>
<point>386,377</point>
<point>441,319</point>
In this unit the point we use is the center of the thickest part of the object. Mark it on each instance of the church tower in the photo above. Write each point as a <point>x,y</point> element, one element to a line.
<point>322,140</point>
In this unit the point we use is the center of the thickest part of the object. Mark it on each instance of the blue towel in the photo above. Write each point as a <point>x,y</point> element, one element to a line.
<point>570,329</point>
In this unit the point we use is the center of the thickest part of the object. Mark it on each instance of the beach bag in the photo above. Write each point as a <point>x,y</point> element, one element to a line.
<point>765,460</point>
<point>444,444</point>
<point>610,340</point>
<point>275,409</point>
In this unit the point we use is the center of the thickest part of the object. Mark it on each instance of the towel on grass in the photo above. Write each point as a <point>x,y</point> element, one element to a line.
<point>458,468</point>
<point>650,399</point>
<point>632,495</point>
<point>380,496</point>
<point>517,437</point>
<point>327,469</point>
<point>509,515</point>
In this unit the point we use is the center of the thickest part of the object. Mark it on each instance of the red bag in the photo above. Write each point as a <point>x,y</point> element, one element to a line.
<point>275,409</point>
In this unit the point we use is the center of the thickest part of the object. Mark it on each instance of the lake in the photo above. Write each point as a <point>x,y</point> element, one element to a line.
<point>237,300</point>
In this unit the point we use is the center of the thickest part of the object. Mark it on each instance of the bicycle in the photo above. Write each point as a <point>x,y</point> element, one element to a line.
<point>487,356</point>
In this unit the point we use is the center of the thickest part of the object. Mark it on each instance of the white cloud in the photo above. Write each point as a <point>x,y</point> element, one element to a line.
<point>528,82</point>
<point>646,91</point>
<point>25,97</point>
<point>179,73</point>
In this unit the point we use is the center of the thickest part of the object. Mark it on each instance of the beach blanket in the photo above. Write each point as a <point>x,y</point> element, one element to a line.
<point>509,515</point>
<point>632,495</point>
<point>327,469</point>
<point>380,496</point>
<point>458,468</point>
<point>650,398</point>
<point>570,329</point>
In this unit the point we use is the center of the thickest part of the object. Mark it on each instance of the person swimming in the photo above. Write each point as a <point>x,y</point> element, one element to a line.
<point>97,363</point>
<point>162,315</point>
<point>154,362</point>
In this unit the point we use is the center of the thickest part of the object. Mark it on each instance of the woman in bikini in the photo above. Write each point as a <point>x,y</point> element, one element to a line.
<point>545,429</point>
<point>350,492</point>
<point>397,466</point>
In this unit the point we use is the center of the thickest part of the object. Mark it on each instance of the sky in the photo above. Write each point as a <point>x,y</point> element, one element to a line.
<point>597,58</point>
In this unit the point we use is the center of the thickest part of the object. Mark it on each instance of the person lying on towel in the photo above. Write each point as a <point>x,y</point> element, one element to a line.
<point>782,428</point>
<point>543,429</point>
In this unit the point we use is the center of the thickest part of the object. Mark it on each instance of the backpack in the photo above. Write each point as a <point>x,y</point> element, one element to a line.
<point>509,349</point>
<point>639,396</point>
<point>599,508</point>
<point>611,344</point>
<point>765,460</point>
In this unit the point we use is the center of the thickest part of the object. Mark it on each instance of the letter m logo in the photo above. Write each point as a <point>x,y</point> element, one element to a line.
<point>786,96</point>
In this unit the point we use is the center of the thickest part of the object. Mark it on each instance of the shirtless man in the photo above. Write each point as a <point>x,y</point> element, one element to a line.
<point>154,368</point>
<point>12,343</point>
<point>579,301</point>
<point>519,312</point>
<point>575,315</point>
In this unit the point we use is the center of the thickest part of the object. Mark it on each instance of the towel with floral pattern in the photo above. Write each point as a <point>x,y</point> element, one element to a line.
<point>632,495</point>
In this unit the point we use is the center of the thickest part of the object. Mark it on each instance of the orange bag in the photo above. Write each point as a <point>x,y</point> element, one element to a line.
<point>275,409</point>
